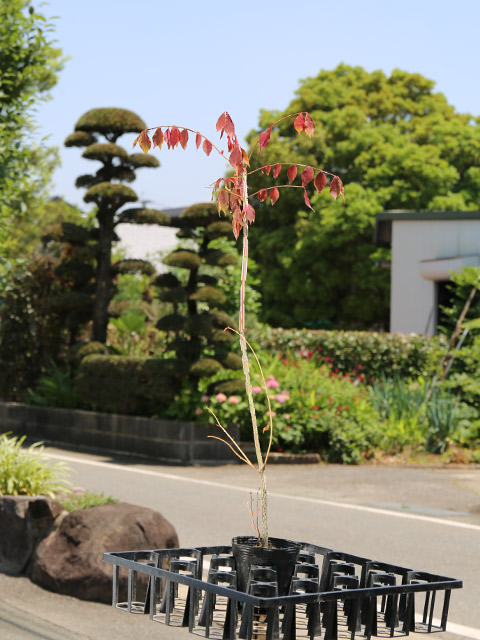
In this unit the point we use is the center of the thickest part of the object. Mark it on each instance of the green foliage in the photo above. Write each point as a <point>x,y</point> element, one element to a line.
<point>23,471</point>
<point>129,385</point>
<point>138,160</point>
<point>198,215</point>
<point>205,367</point>
<point>30,328</point>
<point>212,296</point>
<point>313,409</point>
<point>80,139</point>
<point>134,266</point>
<point>183,259</point>
<point>106,191</point>
<point>81,350</point>
<point>373,354</point>
<point>111,195</point>
<point>54,388</point>
<point>145,216</point>
<point>396,144</point>
<point>110,122</point>
<point>104,152</point>
<point>29,67</point>
<point>87,500</point>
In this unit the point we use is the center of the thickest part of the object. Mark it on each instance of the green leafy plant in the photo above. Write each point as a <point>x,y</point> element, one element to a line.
<point>87,500</point>
<point>24,472</point>
<point>55,388</point>
<point>233,197</point>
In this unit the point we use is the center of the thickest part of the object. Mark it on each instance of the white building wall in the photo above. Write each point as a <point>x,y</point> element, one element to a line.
<point>413,303</point>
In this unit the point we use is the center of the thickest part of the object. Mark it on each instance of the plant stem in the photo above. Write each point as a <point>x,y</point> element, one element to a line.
<point>246,370</point>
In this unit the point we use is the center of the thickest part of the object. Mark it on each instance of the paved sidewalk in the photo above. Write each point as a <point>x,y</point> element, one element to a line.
<point>28,612</point>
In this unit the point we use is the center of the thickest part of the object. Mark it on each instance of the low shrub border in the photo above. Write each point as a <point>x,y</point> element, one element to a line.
<point>379,354</point>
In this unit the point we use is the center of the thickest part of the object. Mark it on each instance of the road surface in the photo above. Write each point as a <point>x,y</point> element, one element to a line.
<point>427,519</point>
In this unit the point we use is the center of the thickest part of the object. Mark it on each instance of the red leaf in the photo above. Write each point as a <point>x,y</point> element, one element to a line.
<point>299,123</point>
<point>264,138</point>
<point>227,182</point>
<point>198,140</point>
<point>274,195</point>
<point>262,195</point>
<point>276,170</point>
<point>249,212</point>
<point>307,201</point>
<point>336,188</point>
<point>320,181</point>
<point>157,138</point>
<point>309,126</point>
<point>235,158</point>
<point>144,141</point>
<point>221,123</point>
<point>207,146</point>
<point>174,136</point>
<point>136,140</point>
<point>266,169</point>
<point>307,176</point>
<point>292,173</point>
<point>245,157</point>
<point>166,137</point>
<point>184,138</point>
<point>222,200</point>
<point>229,126</point>
<point>237,227</point>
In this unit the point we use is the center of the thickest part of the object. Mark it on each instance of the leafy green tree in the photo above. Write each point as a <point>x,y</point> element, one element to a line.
<point>196,326</point>
<point>106,190</point>
<point>396,144</point>
<point>29,67</point>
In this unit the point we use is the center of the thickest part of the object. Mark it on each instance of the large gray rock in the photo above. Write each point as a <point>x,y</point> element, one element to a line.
<point>69,560</point>
<point>24,522</point>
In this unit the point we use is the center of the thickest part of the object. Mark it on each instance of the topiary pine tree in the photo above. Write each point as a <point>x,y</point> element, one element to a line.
<point>197,323</point>
<point>106,190</point>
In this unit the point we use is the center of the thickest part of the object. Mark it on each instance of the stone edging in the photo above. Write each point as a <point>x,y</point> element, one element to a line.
<point>165,440</point>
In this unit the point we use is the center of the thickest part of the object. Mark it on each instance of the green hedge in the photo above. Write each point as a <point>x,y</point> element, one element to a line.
<point>379,354</point>
<point>120,384</point>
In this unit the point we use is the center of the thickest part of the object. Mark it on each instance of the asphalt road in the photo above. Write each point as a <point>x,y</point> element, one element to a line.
<point>427,519</point>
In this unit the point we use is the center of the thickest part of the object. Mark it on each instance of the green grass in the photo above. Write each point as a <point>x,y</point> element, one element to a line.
<point>24,472</point>
<point>87,500</point>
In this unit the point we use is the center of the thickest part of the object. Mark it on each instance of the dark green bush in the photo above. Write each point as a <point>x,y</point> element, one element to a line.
<point>121,384</point>
<point>378,354</point>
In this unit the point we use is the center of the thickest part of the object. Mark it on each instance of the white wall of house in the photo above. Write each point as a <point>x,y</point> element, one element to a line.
<point>147,242</point>
<point>425,251</point>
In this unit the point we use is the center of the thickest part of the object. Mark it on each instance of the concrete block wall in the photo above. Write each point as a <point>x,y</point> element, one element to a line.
<point>164,440</point>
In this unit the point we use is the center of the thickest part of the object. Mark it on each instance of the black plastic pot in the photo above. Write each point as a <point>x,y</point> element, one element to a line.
<point>281,555</point>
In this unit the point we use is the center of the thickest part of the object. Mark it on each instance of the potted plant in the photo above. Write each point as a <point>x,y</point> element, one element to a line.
<point>232,197</point>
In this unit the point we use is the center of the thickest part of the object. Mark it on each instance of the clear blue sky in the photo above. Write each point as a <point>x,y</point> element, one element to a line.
<point>185,62</point>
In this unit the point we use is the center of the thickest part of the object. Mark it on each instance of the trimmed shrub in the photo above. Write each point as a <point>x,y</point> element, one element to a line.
<point>378,354</point>
<point>121,384</point>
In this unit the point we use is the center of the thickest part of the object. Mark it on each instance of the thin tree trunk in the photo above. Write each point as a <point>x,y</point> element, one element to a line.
<point>103,291</point>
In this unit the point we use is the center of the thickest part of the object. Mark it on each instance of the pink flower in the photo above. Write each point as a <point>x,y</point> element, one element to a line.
<point>270,414</point>
<point>286,416</point>
<point>280,397</point>
<point>256,389</point>
<point>198,411</point>
<point>272,383</point>
<point>233,400</point>
<point>205,398</point>
<point>220,397</point>
<point>285,394</point>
